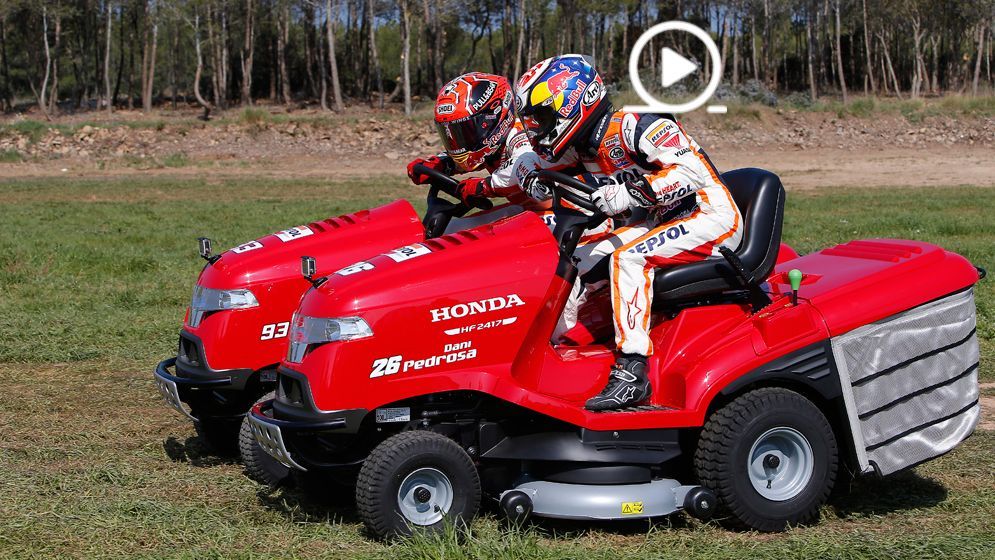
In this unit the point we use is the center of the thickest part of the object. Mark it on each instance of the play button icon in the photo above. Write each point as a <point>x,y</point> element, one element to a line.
<point>674,67</point>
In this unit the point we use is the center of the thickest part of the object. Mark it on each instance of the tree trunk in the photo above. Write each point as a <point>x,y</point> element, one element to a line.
<point>215,55</point>
<point>725,26</point>
<point>977,63</point>
<point>283,36</point>
<point>322,68</point>
<point>148,58</point>
<point>867,50</point>
<point>175,69</point>
<point>333,66</point>
<point>935,81</point>
<point>6,95</point>
<point>521,40</point>
<point>120,58</point>
<point>200,66</point>
<point>438,37</point>
<point>917,50</point>
<point>812,85</point>
<point>735,51</point>
<point>768,44</point>
<point>248,51</point>
<point>374,55</point>
<point>107,59</point>
<point>839,54</point>
<point>53,95</point>
<point>406,54</point>
<point>353,38</point>
<point>891,68</point>
<point>753,38</point>
<point>43,91</point>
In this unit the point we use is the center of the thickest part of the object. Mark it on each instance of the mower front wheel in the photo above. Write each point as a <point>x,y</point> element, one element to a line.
<point>259,465</point>
<point>416,481</point>
<point>771,458</point>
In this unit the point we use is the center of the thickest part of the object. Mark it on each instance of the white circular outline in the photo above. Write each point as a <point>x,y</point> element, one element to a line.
<point>644,39</point>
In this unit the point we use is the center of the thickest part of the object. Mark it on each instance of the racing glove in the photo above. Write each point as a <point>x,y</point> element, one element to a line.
<point>536,187</point>
<point>615,198</point>
<point>441,163</point>
<point>474,187</point>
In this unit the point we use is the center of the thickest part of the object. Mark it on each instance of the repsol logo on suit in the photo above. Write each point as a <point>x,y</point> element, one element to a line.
<point>660,239</point>
<point>675,194</point>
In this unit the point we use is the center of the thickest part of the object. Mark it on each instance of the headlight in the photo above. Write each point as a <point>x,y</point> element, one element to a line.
<point>208,299</point>
<point>316,330</point>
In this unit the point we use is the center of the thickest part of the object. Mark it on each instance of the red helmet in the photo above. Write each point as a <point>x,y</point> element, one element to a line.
<point>473,114</point>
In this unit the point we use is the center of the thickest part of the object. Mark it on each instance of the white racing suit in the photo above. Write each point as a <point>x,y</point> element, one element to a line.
<point>691,215</point>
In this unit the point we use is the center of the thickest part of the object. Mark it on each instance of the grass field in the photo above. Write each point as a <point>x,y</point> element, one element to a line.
<point>94,277</point>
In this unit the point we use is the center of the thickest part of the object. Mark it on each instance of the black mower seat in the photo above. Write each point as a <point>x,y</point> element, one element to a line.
<point>760,197</point>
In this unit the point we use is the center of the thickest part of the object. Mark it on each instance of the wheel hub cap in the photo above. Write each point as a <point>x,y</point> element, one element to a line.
<point>781,464</point>
<point>425,496</point>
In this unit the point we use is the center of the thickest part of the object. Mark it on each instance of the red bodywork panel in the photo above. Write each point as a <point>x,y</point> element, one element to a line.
<point>271,268</point>
<point>475,310</point>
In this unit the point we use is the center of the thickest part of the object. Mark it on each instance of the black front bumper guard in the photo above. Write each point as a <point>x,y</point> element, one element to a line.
<point>270,432</point>
<point>169,385</point>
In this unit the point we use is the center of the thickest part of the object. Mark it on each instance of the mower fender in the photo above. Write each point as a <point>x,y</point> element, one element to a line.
<point>812,366</point>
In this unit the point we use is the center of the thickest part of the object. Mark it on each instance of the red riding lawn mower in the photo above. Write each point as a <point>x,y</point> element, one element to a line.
<point>426,375</point>
<point>235,330</point>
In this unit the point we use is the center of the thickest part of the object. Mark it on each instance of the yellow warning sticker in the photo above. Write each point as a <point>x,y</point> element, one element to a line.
<point>632,508</point>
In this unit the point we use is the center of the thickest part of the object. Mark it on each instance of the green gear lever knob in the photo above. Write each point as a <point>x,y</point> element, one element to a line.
<point>795,277</point>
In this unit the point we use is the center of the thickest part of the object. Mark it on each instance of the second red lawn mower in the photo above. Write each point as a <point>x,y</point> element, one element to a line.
<point>430,380</point>
<point>235,330</point>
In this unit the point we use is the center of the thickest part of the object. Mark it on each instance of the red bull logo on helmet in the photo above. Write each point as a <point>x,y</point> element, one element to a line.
<point>558,81</point>
<point>551,90</point>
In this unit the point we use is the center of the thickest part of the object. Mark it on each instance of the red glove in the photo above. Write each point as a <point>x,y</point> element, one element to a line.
<point>474,187</point>
<point>441,164</point>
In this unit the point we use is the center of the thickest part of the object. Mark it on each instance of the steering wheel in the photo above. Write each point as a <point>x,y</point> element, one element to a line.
<point>440,211</point>
<point>570,222</point>
<point>565,187</point>
<point>442,182</point>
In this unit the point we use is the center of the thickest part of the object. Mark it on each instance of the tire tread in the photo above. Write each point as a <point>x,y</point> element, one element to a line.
<point>377,467</point>
<point>714,466</point>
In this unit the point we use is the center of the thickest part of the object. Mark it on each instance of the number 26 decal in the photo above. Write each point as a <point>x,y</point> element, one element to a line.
<point>386,366</point>
<point>275,330</point>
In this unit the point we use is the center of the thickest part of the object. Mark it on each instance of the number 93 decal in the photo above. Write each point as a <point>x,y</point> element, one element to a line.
<point>275,330</point>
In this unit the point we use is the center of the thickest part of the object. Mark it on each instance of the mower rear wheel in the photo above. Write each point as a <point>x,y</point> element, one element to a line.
<point>259,465</point>
<point>771,458</point>
<point>416,481</point>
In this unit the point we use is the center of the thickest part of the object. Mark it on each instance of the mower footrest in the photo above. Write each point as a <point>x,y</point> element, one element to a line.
<point>637,408</point>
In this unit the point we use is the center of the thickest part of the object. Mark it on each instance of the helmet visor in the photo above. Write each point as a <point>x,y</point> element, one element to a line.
<point>467,135</point>
<point>540,124</point>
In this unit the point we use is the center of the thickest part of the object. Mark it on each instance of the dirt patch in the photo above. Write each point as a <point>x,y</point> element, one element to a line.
<point>808,150</point>
<point>798,169</point>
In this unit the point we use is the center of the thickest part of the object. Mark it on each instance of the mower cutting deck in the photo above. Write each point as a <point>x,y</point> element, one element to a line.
<point>428,376</point>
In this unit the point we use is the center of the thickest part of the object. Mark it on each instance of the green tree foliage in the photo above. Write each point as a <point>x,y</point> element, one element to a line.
<point>65,55</point>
